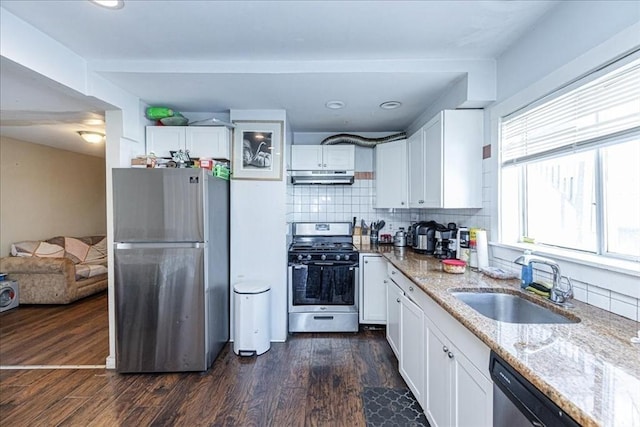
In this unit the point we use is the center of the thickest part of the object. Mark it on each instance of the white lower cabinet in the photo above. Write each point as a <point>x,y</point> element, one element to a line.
<point>444,364</point>
<point>412,347</point>
<point>394,301</point>
<point>457,394</point>
<point>373,289</point>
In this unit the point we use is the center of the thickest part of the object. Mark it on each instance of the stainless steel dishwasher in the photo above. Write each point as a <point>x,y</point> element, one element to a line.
<point>517,402</point>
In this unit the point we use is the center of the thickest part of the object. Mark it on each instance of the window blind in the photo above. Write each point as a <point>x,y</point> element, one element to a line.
<point>605,107</point>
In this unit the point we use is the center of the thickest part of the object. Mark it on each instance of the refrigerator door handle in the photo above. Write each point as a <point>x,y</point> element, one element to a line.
<point>163,245</point>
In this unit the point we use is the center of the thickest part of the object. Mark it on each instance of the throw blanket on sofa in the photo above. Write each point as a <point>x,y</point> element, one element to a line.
<point>89,254</point>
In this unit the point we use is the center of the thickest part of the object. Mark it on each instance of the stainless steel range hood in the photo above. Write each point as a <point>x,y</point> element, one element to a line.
<point>322,177</point>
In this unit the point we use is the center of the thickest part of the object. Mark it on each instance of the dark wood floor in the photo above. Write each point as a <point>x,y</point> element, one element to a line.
<point>71,334</point>
<point>311,380</point>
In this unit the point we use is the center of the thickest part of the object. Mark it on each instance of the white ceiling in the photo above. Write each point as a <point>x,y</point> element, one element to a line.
<point>212,56</point>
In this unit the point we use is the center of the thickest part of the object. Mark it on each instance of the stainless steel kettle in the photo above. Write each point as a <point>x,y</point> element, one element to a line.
<point>400,238</point>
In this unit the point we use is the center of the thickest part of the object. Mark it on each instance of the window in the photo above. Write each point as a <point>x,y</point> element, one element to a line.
<point>570,167</point>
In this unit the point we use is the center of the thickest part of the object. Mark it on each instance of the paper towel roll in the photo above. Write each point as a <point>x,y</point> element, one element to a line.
<point>482,248</point>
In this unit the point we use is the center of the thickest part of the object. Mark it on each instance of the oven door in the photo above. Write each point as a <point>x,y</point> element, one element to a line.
<point>323,286</point>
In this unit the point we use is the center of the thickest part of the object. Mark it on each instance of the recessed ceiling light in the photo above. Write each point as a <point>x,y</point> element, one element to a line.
<point>334,105</point>
<point>109,4</point>
<point>390,105</point>
<point>91,137</point>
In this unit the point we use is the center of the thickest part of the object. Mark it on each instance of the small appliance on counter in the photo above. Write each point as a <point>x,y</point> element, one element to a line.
<point>400,238</point>
<point>445,247</point>
<point>462,244</point>
<point>424,237</point>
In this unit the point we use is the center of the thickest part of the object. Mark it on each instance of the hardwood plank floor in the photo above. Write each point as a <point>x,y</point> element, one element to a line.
<point>311,380</point>
<point>71,334</point>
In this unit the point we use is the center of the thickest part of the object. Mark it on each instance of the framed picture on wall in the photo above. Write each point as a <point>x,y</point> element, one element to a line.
<point>257,150</point>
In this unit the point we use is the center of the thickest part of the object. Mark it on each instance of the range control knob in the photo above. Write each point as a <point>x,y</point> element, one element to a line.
<point>346,257</point>
<point>337,257</point>
<point>309,257</point>
<point>323,257</point>
<point>299,257</point>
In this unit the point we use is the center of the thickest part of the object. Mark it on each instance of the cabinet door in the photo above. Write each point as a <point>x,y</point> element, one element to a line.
<point>437,391</point>
<point>394,295</point>
<point>306,157</point>
<point>339,157</point>
<point>391,175</point>
<point>163,139</point>
<point>472,403</point>
<point>416,170</point>
<point>412,347</point>
<point>433,173</point>
<point>208,142</point>
<point>374,290</point>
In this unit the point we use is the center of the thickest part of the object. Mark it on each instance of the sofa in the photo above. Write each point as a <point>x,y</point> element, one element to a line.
<point>59,270</point>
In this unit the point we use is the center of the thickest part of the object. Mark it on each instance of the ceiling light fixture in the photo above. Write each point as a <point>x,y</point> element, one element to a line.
<point>334,105</point>
<point>109,4</point>
<point>390,105</point>
<point>91,137</point>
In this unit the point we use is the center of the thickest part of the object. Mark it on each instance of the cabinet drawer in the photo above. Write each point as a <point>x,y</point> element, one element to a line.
<point>407,286</point>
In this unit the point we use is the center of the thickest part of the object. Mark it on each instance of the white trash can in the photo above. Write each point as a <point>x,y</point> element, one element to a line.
<point>252,323</point>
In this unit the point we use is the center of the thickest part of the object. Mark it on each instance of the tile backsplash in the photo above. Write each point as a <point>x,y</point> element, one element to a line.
<point>343,202</point>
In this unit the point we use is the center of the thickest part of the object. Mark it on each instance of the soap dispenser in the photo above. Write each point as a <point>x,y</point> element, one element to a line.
<point>526,277</point>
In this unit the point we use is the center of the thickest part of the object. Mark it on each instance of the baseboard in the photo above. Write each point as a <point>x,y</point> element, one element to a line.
<point>111,362</point>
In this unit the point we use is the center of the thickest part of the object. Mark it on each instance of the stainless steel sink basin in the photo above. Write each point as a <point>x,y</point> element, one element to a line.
<point>511,308</point>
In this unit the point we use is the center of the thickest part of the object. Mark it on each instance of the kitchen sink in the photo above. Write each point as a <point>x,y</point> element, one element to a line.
<point>511,308</point>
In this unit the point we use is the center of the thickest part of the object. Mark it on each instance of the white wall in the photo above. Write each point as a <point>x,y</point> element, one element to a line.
<point>46,192</point>
<point>259,230</point>
<point>575,38</point>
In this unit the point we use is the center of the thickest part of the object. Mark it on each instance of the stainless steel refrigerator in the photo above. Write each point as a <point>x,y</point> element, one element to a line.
<point>171,244</point>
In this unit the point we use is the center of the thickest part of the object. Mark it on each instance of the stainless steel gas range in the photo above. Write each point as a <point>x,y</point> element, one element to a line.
<point>323,278</point>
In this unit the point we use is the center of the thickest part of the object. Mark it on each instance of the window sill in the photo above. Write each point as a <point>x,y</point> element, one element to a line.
<point>630,268</point>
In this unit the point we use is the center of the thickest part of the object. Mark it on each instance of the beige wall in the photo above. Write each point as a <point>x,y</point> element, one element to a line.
<point>45,192</point>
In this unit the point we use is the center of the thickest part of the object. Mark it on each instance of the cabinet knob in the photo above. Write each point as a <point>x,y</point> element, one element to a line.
<point>420,201</point>
<point>319,165</point>
<point>397,299</point>
<point>366,262</point>
<point>385,281</point>
<point>402,203</point>
<point>393,272</point>
<point>324,166</point>
<point>450,355</point>
<point>444,348</point>
<point>411,288</point>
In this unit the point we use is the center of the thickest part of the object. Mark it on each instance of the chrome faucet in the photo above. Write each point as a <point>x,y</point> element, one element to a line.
<point>556,294</point>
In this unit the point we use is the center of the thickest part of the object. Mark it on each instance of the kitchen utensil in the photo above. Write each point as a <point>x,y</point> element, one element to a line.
<point>381,224</point>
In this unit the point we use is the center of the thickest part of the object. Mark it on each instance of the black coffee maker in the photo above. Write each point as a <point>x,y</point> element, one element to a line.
<point>445,246</point>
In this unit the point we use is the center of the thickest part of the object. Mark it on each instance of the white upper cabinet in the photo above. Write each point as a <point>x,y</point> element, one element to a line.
<point>391,175</point>
<point>323,157</point>
<point>201,141</point>
<point>445,161</point>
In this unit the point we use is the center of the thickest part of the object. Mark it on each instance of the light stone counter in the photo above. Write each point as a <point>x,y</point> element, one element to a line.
<point>590,369</point>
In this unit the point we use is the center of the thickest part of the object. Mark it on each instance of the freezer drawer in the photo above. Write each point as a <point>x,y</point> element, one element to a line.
<point>160,309</point>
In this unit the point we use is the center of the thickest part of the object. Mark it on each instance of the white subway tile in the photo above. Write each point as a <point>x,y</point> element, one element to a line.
<point>600,291</point>
<point>580,294</point>
<point>624,298</point>
<point>598,300</point>
<point>630,311</point>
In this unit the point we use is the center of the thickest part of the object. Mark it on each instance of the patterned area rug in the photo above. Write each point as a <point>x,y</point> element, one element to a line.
<point>392,407</point>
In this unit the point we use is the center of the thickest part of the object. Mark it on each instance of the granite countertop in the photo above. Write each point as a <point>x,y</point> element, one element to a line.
<point>590,369</point>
